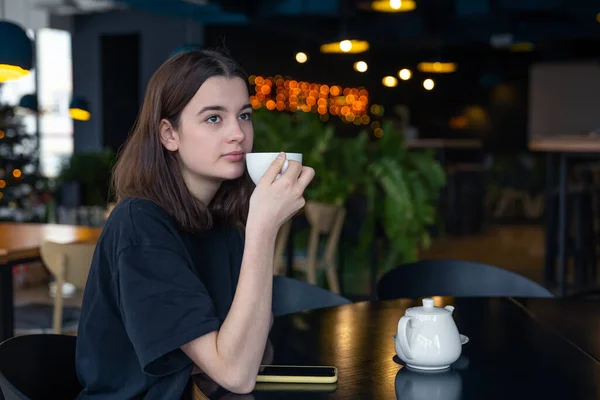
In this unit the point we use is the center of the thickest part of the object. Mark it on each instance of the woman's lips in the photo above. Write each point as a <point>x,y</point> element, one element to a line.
<point>234,156</point>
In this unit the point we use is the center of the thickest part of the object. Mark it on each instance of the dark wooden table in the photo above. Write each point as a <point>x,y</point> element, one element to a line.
<point>21,243</point>
<point>577,321</point>
<point>511,354</point>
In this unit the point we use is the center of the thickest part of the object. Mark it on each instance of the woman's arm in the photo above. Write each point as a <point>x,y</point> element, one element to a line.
<point>267,356</point>
<point>232,356</point>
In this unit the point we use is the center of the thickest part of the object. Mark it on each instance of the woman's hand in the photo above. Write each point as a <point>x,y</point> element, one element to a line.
<point>274,201</point>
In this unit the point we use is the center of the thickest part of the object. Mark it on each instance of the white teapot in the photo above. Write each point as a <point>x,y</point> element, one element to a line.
<point>428,338</point>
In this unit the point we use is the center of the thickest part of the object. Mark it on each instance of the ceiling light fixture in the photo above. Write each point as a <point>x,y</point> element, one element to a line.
<point>392,6</point>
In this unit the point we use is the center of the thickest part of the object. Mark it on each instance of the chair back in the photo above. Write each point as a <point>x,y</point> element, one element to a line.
<point>36,367</point>
<point>72,261</point>
<point>68,263</point>
<point>292,295</point>
<point>457,279</point>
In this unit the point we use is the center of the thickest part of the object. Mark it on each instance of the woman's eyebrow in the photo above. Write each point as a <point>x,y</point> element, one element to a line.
<point>211,108</point>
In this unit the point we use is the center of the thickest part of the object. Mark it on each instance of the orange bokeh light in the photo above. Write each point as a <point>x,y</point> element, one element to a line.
<point>270,104</point>
<point>278,93</point>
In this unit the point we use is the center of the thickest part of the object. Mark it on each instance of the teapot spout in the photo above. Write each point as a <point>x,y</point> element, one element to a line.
<point>450,308</point>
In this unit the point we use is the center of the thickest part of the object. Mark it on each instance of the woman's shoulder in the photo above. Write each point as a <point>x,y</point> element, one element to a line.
<point>136,211</point>
<point>139,221</point>
<point>136,206</point>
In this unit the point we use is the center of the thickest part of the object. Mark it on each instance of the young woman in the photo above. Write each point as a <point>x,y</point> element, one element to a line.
<point>182,275</point>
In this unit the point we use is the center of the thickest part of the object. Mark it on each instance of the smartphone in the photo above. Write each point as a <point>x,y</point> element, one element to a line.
<point>295,387</point>
<point>296,374</point>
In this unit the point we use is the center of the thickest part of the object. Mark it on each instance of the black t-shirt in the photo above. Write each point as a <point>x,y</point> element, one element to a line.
<point>151,289</point>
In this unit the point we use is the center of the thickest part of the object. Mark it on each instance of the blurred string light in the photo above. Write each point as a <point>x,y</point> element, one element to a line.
<point>405,74</point>
<point>389,81</point>
<point>428,84</point>
<point>287,94</point>
<point>376,125</point>
<point>377,110</point>
<point>301,57</point>
<point>361,66</point>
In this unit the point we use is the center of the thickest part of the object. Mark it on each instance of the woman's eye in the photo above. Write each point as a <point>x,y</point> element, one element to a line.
<point>246,116</point>
<point>213,119</point>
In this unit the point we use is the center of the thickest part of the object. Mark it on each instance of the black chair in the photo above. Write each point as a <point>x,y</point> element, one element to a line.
<point>36,367</point>
<point>291,296</point>
<point>455,278</point>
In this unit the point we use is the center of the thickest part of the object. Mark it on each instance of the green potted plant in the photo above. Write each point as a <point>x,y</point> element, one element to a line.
<point>89,173</point>
<point>402,188</point>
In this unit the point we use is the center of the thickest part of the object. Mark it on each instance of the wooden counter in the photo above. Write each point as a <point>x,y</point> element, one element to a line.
<point>566,144</point>
<point>444,144</point>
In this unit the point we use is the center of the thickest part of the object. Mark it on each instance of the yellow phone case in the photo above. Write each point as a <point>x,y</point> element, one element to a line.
<point>297,379</point>
<point>295,387</point>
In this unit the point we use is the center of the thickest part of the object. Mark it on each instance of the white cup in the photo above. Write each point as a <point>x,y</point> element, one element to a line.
<point>258,163</point>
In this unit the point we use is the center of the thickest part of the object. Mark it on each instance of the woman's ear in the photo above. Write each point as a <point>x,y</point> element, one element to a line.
<point>168,135</point>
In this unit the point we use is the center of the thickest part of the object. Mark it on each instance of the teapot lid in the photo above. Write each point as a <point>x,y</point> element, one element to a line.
<point>428,309</point>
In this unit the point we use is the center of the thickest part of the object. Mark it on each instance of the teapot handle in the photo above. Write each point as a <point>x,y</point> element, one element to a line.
<point>403,336</point>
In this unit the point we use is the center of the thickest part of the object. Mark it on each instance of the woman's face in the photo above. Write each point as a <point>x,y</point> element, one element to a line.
<point>214,134</point>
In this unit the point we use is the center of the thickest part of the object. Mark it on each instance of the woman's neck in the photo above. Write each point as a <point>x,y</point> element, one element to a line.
<point>202,189</point>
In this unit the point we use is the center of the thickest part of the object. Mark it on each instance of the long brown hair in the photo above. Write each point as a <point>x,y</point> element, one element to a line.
<point>145,169</point>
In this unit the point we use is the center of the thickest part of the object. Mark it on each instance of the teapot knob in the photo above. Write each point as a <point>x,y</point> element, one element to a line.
<point>428,303</point>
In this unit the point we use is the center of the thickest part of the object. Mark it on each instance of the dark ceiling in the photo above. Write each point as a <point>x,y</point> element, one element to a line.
<point>435,24</point>
<point>263,35</point>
